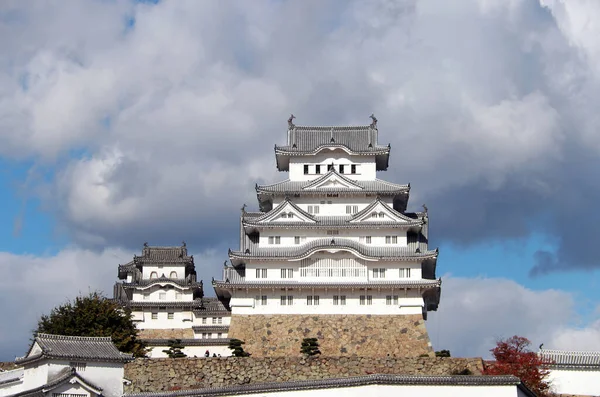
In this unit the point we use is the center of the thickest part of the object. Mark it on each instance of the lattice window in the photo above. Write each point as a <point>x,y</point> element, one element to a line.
<point>333,268</point>
<point>404,273</point>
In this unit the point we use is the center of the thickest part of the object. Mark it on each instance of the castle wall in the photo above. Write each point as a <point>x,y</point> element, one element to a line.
<point>171,333</point>
<point>164,374</point>
<point>338,335</point>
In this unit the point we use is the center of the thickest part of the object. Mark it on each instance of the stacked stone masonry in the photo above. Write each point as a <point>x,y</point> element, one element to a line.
<point>167,374</point>
<point>338,335</point>
<point>186,333</point>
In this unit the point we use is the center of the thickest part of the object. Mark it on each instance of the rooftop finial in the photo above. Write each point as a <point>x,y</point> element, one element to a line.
<point>425,208</point>
<point>243,208</point>
<point>146,244</point>
<point>291,121</point>
<point>374,123</point>
<point>225,264</point>
<point>183,244</point>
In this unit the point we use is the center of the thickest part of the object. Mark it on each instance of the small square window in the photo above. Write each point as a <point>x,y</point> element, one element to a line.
<point>162,295</point>
<point>317,169</point>
<point>296,239</point>
<point>353,169</point>
<point>219,335</point>
<point>170,315</point>
<point>341,168</point>
<point>305,169</point>
<point>154,316</point>
<point>203,320</point>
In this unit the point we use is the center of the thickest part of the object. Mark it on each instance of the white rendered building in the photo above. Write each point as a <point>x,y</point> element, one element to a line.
<point>166,301</point>
<point>67,366</point>
<point>332,239</point>
<point>573,372</point>
<point>372,386</point>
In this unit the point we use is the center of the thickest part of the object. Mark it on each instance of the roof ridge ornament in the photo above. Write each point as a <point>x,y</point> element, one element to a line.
<point>331,133</point>
<point>243,209</point>
<point>424,208</point>
<point>374,123</point>
<point>291,121</point>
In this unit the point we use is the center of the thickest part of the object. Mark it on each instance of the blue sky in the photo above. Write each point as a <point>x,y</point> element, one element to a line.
<point>126,122</point>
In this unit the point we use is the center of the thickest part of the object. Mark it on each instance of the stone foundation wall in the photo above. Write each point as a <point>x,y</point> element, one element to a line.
<point>173,333</point>
<point>338,335</point>
<point>165,374</point>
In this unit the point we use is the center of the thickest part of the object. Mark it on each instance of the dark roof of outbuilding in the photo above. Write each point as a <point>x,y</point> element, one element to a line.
<point>412,380</point>
<point>74,347</point>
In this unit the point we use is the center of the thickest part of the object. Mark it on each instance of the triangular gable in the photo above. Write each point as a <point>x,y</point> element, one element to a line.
<point>287,212</point>
<point>379,211</point>
<point>332,180</point>
<point>66,387</point>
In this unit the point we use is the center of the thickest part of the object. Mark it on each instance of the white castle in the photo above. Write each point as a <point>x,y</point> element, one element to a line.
<point>333,238</point>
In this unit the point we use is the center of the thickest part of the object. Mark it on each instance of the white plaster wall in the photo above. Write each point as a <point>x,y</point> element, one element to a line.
<point>193,351</point>
<point>181,319</point>
<point>35,375</point>
<point>108,376</point>
<point>163,269</point>
<point>198,319</point>
<point>575,381</point>
<point>274,270</point>
<point>338,204</point>
<point>287,237</point>
<point>152,293</point>
<point>12,387</point>
<point>365,165</point>
<point>404,391</point>
<point>409,302</point>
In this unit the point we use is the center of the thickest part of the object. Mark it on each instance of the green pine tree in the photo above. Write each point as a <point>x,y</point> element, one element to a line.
<point>94,315</point>
<point>237,350</point>
<point>310,347</point>
<point>174,350</point>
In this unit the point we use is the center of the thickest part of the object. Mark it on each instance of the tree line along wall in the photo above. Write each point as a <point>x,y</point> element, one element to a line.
<point>166,374</point>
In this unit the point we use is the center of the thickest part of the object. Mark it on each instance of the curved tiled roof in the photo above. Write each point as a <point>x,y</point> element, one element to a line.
<point>342,222</point>
<point>420,283</point>
<point>354,381</point>
<point>163,280</point>
<point>75,347</point>
<point>307,139</point>
<point>571,359</point>
<point>376,186</point>
<point>305,250</point>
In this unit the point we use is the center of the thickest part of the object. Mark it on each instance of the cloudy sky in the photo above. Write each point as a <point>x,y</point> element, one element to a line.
<point>123,122</point>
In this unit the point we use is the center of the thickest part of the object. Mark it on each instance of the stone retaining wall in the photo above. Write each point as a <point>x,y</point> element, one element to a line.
<point>172,333</point>
<point>164,374</point>
<point>338,335</point>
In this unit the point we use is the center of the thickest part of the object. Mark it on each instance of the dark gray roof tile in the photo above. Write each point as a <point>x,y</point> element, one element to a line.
<point>75,347</point>
<point>376,379</point>
<point>571,359</point>
<point>391,252</point>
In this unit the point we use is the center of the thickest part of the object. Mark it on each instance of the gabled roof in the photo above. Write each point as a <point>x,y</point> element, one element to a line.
<point>334,178</point>
<point>324,244</point>
<point>400,284</point>
<point>354,381</point>
<point>376,186</point>
<point>66,375</point>
<point>381,206</point>
<point>286,206</point>
<point>341,222</point>
<point>571,359</point>
<point>73,348</point>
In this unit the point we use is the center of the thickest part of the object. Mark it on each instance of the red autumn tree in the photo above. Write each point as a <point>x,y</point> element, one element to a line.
<point>514,357</point>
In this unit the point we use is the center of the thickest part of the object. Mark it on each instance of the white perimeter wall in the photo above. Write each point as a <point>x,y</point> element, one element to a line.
<point>404,391</point>
<point>575,381</point>
<point>192,351</point>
